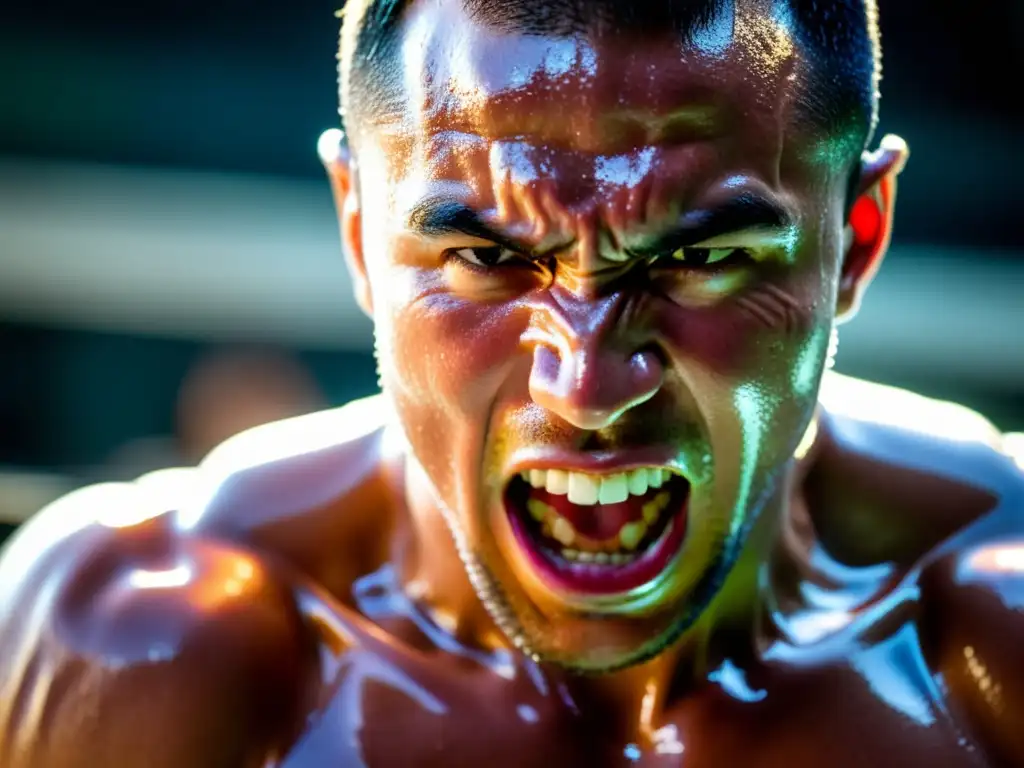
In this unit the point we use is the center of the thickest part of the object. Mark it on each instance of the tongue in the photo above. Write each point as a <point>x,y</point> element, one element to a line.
<point>597,522</point>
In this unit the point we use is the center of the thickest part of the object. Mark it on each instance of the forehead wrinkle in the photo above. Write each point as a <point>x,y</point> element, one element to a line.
<point>560,196</point>
<point>537,194</point>
<point>452,155</point>
<point>545,196</point>
<point>461,83</point>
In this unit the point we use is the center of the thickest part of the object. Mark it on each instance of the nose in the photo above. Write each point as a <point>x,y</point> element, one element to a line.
<point>589,378</point>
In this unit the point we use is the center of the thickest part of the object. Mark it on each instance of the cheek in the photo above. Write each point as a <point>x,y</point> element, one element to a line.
<point>753,363</point>
<point>447,352</point>
<point>756,333</point>
<point>442,362</point>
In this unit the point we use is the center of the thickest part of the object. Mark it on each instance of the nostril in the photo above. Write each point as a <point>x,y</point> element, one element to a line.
<point>547,367</point>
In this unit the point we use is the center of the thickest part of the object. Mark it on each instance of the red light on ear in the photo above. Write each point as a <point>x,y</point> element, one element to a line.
<point>866,220</point>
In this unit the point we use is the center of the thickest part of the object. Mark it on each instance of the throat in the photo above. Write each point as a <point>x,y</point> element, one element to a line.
<point>629,705</point>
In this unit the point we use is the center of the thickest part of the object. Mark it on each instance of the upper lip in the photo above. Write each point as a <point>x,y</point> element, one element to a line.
<point>595,461</point>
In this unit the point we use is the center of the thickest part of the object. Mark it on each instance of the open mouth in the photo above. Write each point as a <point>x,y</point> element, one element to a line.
<point>598,534</point>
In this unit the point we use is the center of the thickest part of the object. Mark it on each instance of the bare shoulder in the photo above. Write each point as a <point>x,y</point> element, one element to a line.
<point>902,410</point>
<point>894,474</point>
<point>277,470</point>
<point>945,471</point>
<point>911,432</point>
<point>124,641</point>
<point>972,631</point>
<point>319,491</point>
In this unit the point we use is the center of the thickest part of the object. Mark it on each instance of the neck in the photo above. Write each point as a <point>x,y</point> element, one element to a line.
<point>631,701</point>
<point>431,570</point>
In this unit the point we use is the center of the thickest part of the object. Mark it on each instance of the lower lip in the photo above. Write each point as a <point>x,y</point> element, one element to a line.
<point>604,580</point>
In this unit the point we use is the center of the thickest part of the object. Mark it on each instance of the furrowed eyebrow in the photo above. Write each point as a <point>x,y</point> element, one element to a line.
<point>438,217</point>
<point>744,213</point>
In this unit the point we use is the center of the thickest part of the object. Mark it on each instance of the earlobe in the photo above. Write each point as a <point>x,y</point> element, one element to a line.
<point>869,227</point>
<point>341,171</point>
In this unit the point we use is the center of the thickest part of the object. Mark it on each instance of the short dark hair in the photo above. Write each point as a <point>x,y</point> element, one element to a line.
<point>840,36</point>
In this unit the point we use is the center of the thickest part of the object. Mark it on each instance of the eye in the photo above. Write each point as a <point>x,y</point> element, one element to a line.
<point>486,257</point>
<point>703,257</point>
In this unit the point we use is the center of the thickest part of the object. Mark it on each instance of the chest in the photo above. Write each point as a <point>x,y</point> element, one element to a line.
<point>399,710</point>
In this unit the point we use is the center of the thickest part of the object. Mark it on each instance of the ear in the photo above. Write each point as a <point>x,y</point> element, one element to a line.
<point>341,171</point>
<point>869,228</point>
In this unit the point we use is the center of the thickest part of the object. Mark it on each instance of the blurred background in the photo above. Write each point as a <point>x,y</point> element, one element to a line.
<point>169,262</point>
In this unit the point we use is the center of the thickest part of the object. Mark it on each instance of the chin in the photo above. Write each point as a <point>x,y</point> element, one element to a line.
<point>596,644</point>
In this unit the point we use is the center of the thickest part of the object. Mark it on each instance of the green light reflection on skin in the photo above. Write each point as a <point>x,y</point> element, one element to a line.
<point>724,284</point>
<point>639,600</point>
<point>749,401</point>
<point>810,363</point>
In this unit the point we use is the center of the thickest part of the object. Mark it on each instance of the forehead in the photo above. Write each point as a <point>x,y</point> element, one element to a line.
<point>470,86</point>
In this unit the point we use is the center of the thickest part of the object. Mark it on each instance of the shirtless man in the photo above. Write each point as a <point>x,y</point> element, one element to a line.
<point>608,510</point>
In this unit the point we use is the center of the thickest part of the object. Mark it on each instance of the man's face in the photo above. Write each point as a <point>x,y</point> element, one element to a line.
<point>603,275</point>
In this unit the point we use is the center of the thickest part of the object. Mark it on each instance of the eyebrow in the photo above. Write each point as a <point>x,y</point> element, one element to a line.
<point>438,217</point>
<point>743,213</point>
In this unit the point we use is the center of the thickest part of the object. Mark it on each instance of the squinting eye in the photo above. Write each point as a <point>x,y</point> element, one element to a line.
<point>487,256</point>
<point>701,257</point>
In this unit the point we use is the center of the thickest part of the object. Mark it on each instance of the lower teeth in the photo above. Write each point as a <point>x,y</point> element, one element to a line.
<point>600,558</point>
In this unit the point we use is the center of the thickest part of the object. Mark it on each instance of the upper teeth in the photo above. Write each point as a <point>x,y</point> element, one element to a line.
<point>585,488</point>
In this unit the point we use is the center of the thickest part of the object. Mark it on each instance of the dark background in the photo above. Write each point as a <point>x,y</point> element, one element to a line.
<point>162,212</point>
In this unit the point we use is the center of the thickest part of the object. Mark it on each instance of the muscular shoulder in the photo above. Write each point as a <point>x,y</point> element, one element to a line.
<point>935,486</point>
<point>277,470</point>
<point>972,633</point>
<point>887,421</point>
<point>318,491</point>
<point>125,642</point>
<point>895,474</point>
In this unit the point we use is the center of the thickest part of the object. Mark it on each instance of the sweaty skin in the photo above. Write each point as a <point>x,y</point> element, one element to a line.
<point>531,234</point>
